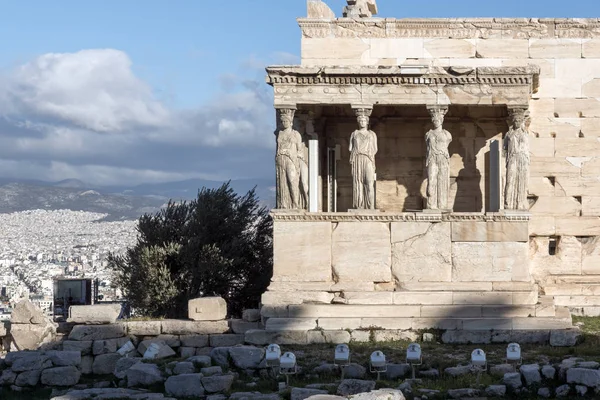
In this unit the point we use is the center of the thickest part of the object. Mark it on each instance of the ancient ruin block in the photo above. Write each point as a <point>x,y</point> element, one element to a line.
<point>207,309</point>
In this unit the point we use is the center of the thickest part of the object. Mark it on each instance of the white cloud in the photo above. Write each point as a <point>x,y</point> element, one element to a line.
<point>85,115</point>
<point>94,89</point>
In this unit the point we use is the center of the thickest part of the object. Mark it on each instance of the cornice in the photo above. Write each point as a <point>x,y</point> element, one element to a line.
<point>455,28</point>
<point>302,216</point>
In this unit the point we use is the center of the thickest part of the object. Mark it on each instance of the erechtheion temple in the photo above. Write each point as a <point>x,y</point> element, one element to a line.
<point>436,173</point>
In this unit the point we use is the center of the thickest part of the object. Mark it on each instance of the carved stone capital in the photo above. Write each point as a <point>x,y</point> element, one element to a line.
<point>518,114</point>
<point>437,111</point>
<point>286,113</point>
<point>362,111</point>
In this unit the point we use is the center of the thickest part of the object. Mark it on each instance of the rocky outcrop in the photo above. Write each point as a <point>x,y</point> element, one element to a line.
<point>29,327</point>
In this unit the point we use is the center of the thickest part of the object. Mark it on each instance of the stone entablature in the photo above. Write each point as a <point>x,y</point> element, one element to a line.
<point>410,85</point>
<point>452,28</point>
<point>403,75</point>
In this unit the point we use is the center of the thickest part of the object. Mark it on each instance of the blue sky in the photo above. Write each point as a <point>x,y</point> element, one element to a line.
<point>88,85</point>
<point>181,47</point>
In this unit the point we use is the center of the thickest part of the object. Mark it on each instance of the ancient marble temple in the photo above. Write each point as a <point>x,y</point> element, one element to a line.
<point>436,173</point>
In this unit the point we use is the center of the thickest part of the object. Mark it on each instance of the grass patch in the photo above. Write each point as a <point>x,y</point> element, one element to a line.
<point>590,325</point>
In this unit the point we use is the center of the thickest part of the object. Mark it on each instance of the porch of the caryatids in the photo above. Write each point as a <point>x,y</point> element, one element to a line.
<point>437,160</point>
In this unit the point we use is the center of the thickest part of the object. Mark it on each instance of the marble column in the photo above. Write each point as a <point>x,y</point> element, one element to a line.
<point>313,164</point>
<point>495,176</point>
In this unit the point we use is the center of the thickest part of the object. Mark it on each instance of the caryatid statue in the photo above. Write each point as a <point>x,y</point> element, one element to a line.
<point>363,147</point>
<point>516,147</point>
<point>438,161</point>
<point>288,161</point>
<point>360,8</point>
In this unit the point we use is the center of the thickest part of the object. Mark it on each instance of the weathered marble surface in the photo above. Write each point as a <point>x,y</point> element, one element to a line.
<point>476,231</point>
<point>494,261</point>
<point>302,251</point>
<point>361,252</point>
<point>421,252</point>
<point>319,9</point>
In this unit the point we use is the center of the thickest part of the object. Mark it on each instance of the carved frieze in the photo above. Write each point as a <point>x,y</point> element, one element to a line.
<point>577,29</point>
<point>395,76</point>
<point>374,85</point>
<point>468,28</point>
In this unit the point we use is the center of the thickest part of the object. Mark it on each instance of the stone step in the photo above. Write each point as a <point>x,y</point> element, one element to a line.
<point>407,311</point>
<point>545,307</point>
<point>577,301</point>
<point>440,298</point>
<point>294,286</point>
<point>467,286</point>
<point>573,289</point>
<point>585,311</point>
<point>583,279</point>
<point>405,298</point>
<point>496,322</point>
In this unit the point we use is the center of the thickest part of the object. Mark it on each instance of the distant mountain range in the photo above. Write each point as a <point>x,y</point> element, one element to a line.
<point>120,202</point>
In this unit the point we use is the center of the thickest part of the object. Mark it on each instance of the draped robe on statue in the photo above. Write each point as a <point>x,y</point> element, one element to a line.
<point>516,144</point>
<point>363,147</point>
<point>289,147</point>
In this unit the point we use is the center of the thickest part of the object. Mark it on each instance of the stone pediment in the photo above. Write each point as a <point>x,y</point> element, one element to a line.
<point>410,84</point>
<point>452,28</point>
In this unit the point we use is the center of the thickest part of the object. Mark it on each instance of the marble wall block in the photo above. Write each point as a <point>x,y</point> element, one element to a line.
<point>361,252</point>
<point>421,251</point>
<point>302,251</point>
<point>491,261</point>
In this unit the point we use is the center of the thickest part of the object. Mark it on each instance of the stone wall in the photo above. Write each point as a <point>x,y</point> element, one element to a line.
<point>404,271</point>
<point>397,253</point>
<point>565,121</point>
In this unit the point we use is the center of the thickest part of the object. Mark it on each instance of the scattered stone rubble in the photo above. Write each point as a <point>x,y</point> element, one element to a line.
<point>203,359</point>
<point>93,350</point>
